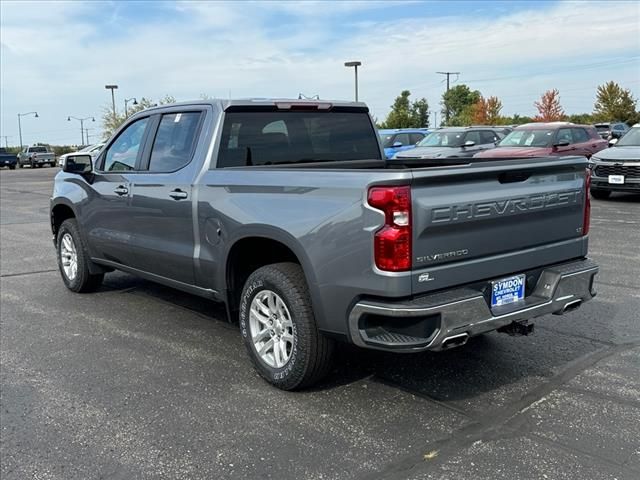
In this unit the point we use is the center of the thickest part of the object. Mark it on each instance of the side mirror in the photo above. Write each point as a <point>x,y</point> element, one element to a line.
<point>613,141</point>
<point>78,164</point>
<point>469,143</point>
<point>396,144</point>
<point>562,143</point>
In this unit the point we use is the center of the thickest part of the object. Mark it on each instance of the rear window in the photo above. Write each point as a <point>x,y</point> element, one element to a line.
<point>37,150</point>
<point>281,137</point>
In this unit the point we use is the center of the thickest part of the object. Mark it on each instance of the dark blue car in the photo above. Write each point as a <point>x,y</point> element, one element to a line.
<point>397,140</point>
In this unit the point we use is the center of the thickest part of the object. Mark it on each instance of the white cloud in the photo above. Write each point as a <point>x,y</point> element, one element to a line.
<point>57,60</point>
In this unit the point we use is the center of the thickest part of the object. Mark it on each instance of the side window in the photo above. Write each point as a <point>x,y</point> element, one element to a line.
<point>565,134</point>
<point>415,138</point>
<point>175,141</point>
<point>472,137</point>
<point>487,136</point>
<point>403,138</point>
<point>618,127</point>
<point>580,135</point>
<point>123,152</point>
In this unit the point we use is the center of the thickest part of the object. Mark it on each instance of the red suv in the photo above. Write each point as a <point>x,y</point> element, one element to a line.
<point>548,139</point>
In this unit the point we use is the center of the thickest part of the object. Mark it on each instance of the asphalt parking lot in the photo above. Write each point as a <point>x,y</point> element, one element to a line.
<point>141,381</point>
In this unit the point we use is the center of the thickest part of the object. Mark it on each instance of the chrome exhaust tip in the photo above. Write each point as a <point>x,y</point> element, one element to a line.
<point>574,305</point>
<point>455,341</point>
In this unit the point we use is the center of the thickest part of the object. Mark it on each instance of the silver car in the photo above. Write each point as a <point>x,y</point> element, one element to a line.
<point>617,169</point>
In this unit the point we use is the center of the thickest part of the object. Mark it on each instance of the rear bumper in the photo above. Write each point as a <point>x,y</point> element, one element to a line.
<point>463,313</point>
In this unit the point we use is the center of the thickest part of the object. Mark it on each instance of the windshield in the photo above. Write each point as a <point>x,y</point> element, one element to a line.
<point>528,138</point>
<point>442,139</point>
<point>385,139</point>
<point>285,136</point>
<point>602,128</point>
<point>631,138</point>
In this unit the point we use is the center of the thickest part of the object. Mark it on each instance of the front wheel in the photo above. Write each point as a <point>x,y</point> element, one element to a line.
<point>73,260</point>
<point>600,194</point>
<point>279,328</point>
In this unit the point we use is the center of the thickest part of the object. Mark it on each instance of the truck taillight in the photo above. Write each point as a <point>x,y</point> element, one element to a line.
<point>392,243</point>
<point>587,202</point>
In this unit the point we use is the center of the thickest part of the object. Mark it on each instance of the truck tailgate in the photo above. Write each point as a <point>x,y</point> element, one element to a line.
<point>486,220</point>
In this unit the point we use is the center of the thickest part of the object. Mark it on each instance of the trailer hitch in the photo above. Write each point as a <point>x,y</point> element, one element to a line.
<point>517,328</point>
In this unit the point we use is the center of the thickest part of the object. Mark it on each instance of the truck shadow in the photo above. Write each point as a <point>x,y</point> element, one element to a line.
<point>488,363</point>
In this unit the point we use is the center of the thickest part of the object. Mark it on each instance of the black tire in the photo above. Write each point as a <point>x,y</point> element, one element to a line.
<point>311,351</point>
<point>20,165</point>
<point>12,167</point>
<point>600,194</point>
<point>84,281</point>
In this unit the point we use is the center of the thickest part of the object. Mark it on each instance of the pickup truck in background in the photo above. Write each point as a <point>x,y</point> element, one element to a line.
<point>36,156</point>
<point>7,159</point>
<point>286,211</point>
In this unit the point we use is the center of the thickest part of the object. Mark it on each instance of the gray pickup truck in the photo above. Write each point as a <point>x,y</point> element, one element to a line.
<point>286,211</point>
<point>36,156</point>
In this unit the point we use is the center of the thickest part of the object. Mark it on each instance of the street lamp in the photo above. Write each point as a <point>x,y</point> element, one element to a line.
<point>127,100</point>
<point>35,114</point>
<point>355,65</point>
<point>113,99</point>
<point>81,120</point>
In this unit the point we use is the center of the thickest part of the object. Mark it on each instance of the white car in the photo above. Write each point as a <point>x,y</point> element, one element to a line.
<point>92,150</point>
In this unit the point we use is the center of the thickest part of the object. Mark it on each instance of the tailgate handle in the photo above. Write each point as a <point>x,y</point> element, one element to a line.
<point>513,177</point>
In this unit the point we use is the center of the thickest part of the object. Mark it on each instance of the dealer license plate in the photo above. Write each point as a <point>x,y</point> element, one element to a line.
<point>618,179</point>
<point>508,290</point>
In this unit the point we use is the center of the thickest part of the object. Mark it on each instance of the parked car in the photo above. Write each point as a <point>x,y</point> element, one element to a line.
<point>7,159</point>
<point>92,150</point>
<point>609,130</point>
<point>399,140</point>
<point>36,156</point>
<point>286,211</point>
<point>548,139</point>
<point>453,143</point>
<point>617,169</point>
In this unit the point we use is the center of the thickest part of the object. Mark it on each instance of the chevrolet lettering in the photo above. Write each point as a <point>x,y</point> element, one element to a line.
<point>504,207</point>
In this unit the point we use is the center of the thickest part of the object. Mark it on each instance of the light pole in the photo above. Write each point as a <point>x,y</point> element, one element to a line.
<point>113,100</point>
<point>127,100</point>
<point>355,65</point>
<point>81,120</point>
<point>35,114</point>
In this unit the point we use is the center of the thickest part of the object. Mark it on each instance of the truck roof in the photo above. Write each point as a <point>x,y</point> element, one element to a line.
<point>224,104</point>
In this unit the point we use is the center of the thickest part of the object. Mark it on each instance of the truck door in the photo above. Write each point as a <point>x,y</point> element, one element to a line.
<point>161,211</point>
<point>106,215</point>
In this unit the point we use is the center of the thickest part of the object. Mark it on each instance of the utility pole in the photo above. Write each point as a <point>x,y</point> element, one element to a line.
<point>448,74</point>
<point>6,140</point>
<point>81,120</point>
<point>113,100</point>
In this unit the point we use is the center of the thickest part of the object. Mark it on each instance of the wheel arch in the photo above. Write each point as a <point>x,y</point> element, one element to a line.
<point>256,247</point>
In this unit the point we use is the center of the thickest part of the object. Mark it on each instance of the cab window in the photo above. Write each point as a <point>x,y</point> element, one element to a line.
<point>122,154</point>
<point>175,141</point>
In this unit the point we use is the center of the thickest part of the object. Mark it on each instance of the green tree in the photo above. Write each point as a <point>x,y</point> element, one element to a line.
<point>110,123</point>
<point>581,118</point>
<point>457,104</point>
<point>614,103</point>
<point>405,114</point>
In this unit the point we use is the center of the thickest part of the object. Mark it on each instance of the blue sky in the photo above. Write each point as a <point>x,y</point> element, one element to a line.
<point>56,57</point>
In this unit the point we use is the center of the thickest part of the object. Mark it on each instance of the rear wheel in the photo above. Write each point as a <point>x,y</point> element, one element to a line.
<point>12,167</point>
<point>73,260</point>
<point>600,194</point>
<point>279,328</point>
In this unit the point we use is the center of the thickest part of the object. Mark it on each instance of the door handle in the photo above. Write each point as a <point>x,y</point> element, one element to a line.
<point>178,194</point>
<point>121,190</point>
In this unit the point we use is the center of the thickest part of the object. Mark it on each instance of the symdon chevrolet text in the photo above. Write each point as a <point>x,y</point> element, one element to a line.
<point>286,211</point>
